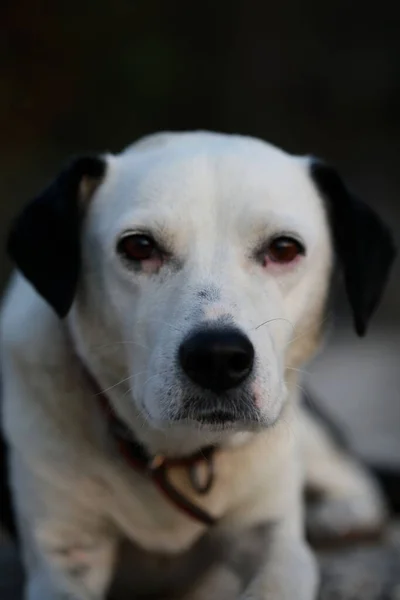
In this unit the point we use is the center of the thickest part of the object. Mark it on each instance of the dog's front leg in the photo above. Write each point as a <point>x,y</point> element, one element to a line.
<point>65,562</point>
<point>288,571</point>
<point>348,502</point>
<point>71,565</point>
<point>68,546</point>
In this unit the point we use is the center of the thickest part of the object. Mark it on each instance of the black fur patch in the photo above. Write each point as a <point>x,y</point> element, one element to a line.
<point>363,244</point>
<point>44,241</point>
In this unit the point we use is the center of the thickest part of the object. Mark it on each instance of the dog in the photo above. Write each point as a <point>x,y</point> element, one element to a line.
<point>153,336</point>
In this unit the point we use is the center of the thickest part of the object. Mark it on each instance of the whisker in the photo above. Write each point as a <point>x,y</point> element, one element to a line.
<point>111,387</point>
<point>309,329</point>
<point>297,370</point>
<point>272,320</point>
<point>180,329</point>
<point>151,377</point>
<point>144,419</point>
<point>305,393</point>
<point>310,398</point>
<point>291,430</point>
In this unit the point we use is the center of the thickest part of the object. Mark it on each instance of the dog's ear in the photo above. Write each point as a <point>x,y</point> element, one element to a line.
<point>44,241</point>
<point>363,244</point>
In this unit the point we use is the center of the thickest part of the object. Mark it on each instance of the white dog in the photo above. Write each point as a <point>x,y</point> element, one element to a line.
<point>167,299</point>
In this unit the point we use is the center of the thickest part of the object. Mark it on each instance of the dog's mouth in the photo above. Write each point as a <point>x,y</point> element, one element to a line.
<point>217,417</point>
<point>218,414</point>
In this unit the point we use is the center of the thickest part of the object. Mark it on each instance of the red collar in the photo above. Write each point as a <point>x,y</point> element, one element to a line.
<point>157,467</point>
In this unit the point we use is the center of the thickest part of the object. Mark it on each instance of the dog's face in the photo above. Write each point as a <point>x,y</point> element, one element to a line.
<point>203,267</point>
<point>207,254</point>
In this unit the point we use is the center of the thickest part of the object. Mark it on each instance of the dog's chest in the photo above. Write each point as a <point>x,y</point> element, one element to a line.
<point>167,576</point>
<point>152,520</point>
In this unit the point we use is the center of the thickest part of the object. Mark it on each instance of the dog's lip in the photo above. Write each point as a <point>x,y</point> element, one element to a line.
<point>217,416</point>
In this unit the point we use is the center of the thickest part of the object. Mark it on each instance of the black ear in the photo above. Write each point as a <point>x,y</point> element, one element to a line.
<point>44,240</point>
<point>363,244</point>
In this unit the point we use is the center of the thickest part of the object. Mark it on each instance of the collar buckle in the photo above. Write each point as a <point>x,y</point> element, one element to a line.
<point>157,462</point>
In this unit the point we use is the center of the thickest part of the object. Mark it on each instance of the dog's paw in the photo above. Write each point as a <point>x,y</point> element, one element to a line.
<point>81,563</point>
<point>346,520</point>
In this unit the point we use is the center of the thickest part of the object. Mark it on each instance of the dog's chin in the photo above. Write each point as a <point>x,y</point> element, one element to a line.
<point>186,429</point>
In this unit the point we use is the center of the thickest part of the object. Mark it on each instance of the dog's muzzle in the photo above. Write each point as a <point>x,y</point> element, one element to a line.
<point>219,362</point>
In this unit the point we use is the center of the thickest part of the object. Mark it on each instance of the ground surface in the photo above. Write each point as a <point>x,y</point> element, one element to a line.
<point>367,572</point>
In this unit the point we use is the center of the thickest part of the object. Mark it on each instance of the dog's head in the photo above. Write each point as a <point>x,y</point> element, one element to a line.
<point>194,271</point>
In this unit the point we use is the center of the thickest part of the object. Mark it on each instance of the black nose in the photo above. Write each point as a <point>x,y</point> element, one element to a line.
<point>217,359</point>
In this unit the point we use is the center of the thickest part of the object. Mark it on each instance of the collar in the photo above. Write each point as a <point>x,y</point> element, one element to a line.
<point>157,467</point>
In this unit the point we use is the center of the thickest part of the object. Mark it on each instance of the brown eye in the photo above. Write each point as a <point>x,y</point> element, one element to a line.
<point>137,247</point>
<point>284,250</point>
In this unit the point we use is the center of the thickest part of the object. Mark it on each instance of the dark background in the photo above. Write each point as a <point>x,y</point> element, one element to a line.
<point>312,77</point>
<point>320,77</point>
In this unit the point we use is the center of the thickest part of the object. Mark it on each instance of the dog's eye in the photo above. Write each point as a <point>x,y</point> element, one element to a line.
<point>137,247</point>
<point>284,250</point>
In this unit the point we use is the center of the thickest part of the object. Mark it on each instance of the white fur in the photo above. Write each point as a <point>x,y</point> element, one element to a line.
<point>212,199</point>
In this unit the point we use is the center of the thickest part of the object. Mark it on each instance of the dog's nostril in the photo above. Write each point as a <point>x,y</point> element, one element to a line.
<point>217,359</point>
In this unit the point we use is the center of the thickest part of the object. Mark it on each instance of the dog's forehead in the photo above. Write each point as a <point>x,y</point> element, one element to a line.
<point>206,176</point>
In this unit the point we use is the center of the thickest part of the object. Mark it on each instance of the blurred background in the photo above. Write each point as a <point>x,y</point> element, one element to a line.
<point>319,77</point>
